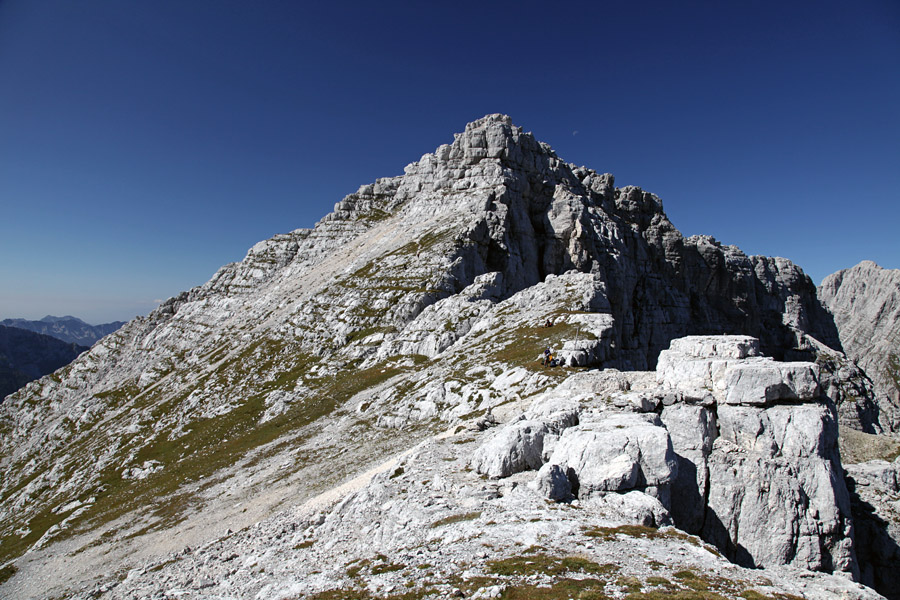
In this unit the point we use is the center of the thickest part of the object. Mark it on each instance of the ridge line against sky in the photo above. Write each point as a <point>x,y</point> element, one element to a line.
<point>144,145</point>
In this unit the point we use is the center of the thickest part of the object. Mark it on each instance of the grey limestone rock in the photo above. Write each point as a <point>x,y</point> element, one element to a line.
<point>767,455</point>
<point>633,507</point>
<point>875,501</point>
<point>552,482</point>
<point>865,302</point>
<point>692,429</point>
<point>771,510</point>
<point>764,382</point>
<point>619,452</point>
<point>519,446</point>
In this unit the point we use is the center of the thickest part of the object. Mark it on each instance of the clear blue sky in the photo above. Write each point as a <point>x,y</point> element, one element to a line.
<point>145,144</point>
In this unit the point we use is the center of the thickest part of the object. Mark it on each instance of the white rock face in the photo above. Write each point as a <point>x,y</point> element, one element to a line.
<point>763,382</point>
<point>618,453</point>
<point>865,302</point>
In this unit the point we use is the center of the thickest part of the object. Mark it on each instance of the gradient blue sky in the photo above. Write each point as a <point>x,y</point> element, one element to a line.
<point>145,144</point>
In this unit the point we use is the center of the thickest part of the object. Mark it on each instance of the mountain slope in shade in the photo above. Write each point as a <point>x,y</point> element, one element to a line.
<point>26,356</point>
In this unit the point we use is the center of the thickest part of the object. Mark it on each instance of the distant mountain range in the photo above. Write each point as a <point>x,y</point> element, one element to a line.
<point>68,329</point>
<point>26,356</point>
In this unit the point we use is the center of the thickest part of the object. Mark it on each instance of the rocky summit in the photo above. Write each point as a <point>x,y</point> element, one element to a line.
<point>494,376</point>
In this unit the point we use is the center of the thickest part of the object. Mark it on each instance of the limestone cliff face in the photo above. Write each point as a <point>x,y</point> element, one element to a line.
<point>417,304</point>
<point>865,302</point>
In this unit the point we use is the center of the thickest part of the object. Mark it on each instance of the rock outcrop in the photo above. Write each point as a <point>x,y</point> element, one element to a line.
<point>752,466</point>
<point>865,302</point>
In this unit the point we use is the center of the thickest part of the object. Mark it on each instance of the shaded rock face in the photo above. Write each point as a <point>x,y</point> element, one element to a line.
<point>752,467</point>
<point>546,217</point>
<point>875,500</point>
<point>865,302</point>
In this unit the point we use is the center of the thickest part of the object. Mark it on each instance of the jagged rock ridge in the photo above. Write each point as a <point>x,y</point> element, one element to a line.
<point>417,304</point>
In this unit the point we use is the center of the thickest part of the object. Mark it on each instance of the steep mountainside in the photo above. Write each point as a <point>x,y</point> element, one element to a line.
<point>420,304</point>
<point>26,356</point>
<point>68,329</point>
<point>865,301</point>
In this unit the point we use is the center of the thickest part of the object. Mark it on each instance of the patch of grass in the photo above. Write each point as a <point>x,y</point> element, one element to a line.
<point>6,572</point>
<point>857,447</point>
<point>641,531</point>
<point>354,570</point>
<point>469,516</point>
<point>692,580</point>
<point>893,370</point>
<point>674,595</point>
<point>549,565</point>
<point>563,589</point>
<point>305,544</point>
<point>753,595</point>
<point>386,568</point>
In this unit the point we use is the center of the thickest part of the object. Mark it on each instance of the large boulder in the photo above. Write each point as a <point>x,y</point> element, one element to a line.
<point>766,511</point>
<point>619,452</point>
<point>519,446</point>
<point>760,382</point>
<point>776,489</point>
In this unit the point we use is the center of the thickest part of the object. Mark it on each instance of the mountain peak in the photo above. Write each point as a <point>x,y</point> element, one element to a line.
<point>54,319</point>
<point>488,120</point>
<point>421,303</point>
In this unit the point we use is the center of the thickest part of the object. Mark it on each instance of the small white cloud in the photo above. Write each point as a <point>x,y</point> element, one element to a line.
<point>575,132</point>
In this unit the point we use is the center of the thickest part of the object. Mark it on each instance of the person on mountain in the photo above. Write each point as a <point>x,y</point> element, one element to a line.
<point>547,356</point>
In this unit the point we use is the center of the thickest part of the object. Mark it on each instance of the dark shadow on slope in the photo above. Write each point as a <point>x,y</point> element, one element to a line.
<point>715,532</point>
<point>877,552</point>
